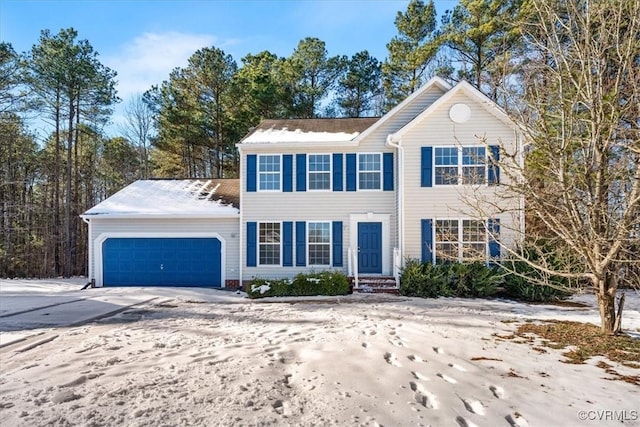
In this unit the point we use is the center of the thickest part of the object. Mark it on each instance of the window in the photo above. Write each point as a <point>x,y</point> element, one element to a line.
<point>466,165</point>
<point>447,240</point>
<point>269,172</point>
<point>319,171</point>
<point>446,165</point>
<point>474,237</point>
<point>458,240</point>
<point>269,243</point>
<point>369,171</point>
<point>319,243</point>
<point>473,165</point>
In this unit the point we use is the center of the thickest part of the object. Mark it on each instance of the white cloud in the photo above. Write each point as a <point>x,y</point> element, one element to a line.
<point>148,59</point>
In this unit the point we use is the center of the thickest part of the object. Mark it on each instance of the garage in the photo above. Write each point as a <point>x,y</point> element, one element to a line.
<point>183,232</point>
<point>162,262</point>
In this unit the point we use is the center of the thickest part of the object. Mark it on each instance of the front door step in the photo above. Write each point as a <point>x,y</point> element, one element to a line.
<point>375,284</point>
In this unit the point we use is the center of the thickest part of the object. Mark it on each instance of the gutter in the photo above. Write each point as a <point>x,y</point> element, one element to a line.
<point>86,217</point>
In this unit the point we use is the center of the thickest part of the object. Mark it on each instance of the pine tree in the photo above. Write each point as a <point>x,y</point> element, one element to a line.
<point>411,51</point>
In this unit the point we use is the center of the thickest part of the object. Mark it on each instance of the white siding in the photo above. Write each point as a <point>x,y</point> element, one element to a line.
<point>401,118</point>
<point>452,201</point>
<point>227,228</point>
<point>313,206</point>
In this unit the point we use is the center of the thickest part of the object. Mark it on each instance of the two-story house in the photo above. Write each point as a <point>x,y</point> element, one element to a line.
<point>360,195</point>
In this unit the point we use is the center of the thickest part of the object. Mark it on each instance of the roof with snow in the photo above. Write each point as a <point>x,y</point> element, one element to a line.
<point>308,130</point>
<point>172,197</point>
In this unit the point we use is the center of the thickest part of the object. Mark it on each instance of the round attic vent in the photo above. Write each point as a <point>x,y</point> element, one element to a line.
<point>460,113</point>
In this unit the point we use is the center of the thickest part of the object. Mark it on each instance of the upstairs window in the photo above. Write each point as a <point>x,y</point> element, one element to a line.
<point>474,165</point>
<point>269,243</point>
<point>269,172</point>
<point>319,171</point>
<point>460,165</point>
<point>369,171</point>
<point>446,165</point>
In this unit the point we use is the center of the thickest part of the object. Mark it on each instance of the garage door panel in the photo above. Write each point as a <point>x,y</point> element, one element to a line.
<point>162,262</point>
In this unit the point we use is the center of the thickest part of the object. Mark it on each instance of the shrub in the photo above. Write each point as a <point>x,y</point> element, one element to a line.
<point>472,280</point>
<point>466,280</point>
<point>322,283</point>
<point>423,280</point>
<point>521,284</point>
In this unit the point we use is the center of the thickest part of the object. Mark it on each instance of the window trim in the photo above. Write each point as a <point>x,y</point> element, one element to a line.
<point>460,166</point>
<point>329,172</point>
<point>380,172</point>
<point>460,242</point>
<point>329,244</point>
<point>258,243</point>
<point>258,173</point>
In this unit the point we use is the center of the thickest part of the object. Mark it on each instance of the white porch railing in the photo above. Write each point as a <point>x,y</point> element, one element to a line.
<point>397,265</point>
<point>352,266</point>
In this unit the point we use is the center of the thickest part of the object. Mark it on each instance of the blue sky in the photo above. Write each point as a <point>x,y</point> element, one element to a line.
<point>143,40</point>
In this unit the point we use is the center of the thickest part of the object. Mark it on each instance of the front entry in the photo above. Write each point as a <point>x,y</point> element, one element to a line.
<point>370,247</point>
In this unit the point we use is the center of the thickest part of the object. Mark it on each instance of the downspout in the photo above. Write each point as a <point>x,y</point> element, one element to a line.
<point>400,193</point>
<point>240,226</point>
<point>90,243</point>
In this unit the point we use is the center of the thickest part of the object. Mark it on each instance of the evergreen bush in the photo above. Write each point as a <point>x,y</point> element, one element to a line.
<point>321,283</point>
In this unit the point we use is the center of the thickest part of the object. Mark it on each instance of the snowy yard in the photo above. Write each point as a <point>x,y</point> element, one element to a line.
<point>206,358</point>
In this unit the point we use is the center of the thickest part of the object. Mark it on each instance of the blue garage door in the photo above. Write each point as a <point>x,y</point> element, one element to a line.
<point>162,262</point>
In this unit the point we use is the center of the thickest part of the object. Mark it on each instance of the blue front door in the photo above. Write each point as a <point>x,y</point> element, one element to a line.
<point>162,262</point>
<point>370,247</point>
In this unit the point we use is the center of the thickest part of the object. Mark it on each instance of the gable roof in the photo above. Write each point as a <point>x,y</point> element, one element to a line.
<point>308,130</point>
<point>462,87</point>
<point>429,86</point>
<point>172,197</point>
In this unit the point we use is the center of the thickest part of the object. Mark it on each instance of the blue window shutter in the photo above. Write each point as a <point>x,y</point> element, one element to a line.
<point>494,168</point>
<point>351,172</point>
<point>426,167</point>
<point>493,225</point>
<point>387,171</point>
<point>252,174</point>
<point>301,243</point>
<point>427,240</point>
<point>337,172</point>
<point>252,244</point>
<point>337,243</point>
<point>301,172</point>
<point>287,173</point>
<point>287,244</point>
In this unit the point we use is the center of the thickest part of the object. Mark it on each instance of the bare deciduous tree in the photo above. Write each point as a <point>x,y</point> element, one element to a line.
<point>581,176</point>
<point>138,128</point>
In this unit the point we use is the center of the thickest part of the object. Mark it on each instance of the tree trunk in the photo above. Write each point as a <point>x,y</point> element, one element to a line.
<point>607,305</point>
<point>56,191</point>
<point>67,204</point>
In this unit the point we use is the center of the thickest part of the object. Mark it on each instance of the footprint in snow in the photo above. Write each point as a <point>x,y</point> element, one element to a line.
<point>474,406</point>
<point>392,359</point>
<point>415,358</point>
<point>516,420</point>
<point>463,422</point>
<point>497,391</point>
<point>423,396</point>
<point>438,350</point>
<point>419,376</point>
<point>447,378</point>
<point>458,367</point>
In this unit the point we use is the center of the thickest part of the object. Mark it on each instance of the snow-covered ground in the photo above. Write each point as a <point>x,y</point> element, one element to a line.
<point>201,357</point>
